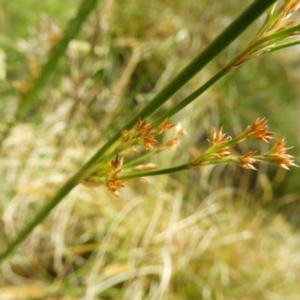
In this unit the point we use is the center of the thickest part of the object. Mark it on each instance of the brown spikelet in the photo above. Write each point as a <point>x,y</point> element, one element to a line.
<point>247,160</point>
<point>149,142</point>
<point>165,125</point>
<point>117,163</point>
<point>142,128</point>
<point>278,155</point>
<point>144,134</point>
<point>217,139</point>
<point>114,184</point>
<point>259,130</point>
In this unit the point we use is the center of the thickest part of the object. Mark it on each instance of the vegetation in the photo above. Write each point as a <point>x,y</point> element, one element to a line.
<point>93,106</point>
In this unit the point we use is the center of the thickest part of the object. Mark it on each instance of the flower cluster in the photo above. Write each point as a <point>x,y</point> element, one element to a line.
<point>220,145</point>
<point>217,140</point>
<point>144,133</point>
<point>259,130</point>
<point>219,151</point>
<point>278,31</point>
<point>247,160</point>
<point>278,155</point>
<point>165,125</point>
<point>114,183</point>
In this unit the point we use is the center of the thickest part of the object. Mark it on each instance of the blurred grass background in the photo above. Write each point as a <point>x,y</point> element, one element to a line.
<point>214,233</point>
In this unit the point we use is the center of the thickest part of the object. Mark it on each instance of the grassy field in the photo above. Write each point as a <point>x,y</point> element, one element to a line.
<point>211,232</point>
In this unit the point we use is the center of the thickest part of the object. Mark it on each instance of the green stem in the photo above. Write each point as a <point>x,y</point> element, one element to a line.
<point>155,172</point>
<point>219,44</point>
<point>284,45</point>
<point>189,99</point>
<point>215,149</point>
<point>183,167</point>
<point>139,159</point>
<point>272,14</point>
<point>282,34</point>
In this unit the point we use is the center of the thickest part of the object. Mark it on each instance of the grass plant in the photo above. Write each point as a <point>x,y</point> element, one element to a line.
<point>106,255</point>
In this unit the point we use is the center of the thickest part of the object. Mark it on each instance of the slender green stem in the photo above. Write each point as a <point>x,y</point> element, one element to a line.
<point>179,168</point>
<point>139,159</point>
<point>155,172</point>
<point>282,34</point>
<point>215,149</point>
<point>214,48</point>
<point>272,14</point>
<point>189,99</point>
<point>284,45</point>
<point>219,44</point>
<point>234,62</point>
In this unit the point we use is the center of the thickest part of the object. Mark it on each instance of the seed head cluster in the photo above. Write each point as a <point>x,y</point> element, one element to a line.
<point>219,150</point>
<point>277,32</point>
<point>278,155</point>
<point>218,138</point>
<point>220,146</point>
<point>259,130</point>
<point>247,160</point>
<point>114,183</point>
<point>142,134</point>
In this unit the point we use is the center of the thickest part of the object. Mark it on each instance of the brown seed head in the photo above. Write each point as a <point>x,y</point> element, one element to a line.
<point>117,163</point>
<point>259,130</point>
<point>165,125</point>
<point>279,156</point>
<point>114,184</point>
<point>144,134</point>
<point>247,160</point>
<point>149,142</point>
<point>142,128</point>
<point>218,138</point>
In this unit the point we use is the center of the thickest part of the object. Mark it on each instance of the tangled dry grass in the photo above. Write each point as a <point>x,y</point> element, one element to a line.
<point>151,245</point>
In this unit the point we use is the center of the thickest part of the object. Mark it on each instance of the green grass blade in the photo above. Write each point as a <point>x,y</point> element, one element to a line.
<point>200,61</point>
<point>72,29</point>
<point>219,44</point>
<point>284,45</point>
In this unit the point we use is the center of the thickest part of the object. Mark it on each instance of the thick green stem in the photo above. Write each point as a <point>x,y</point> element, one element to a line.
<point>218,45</point>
